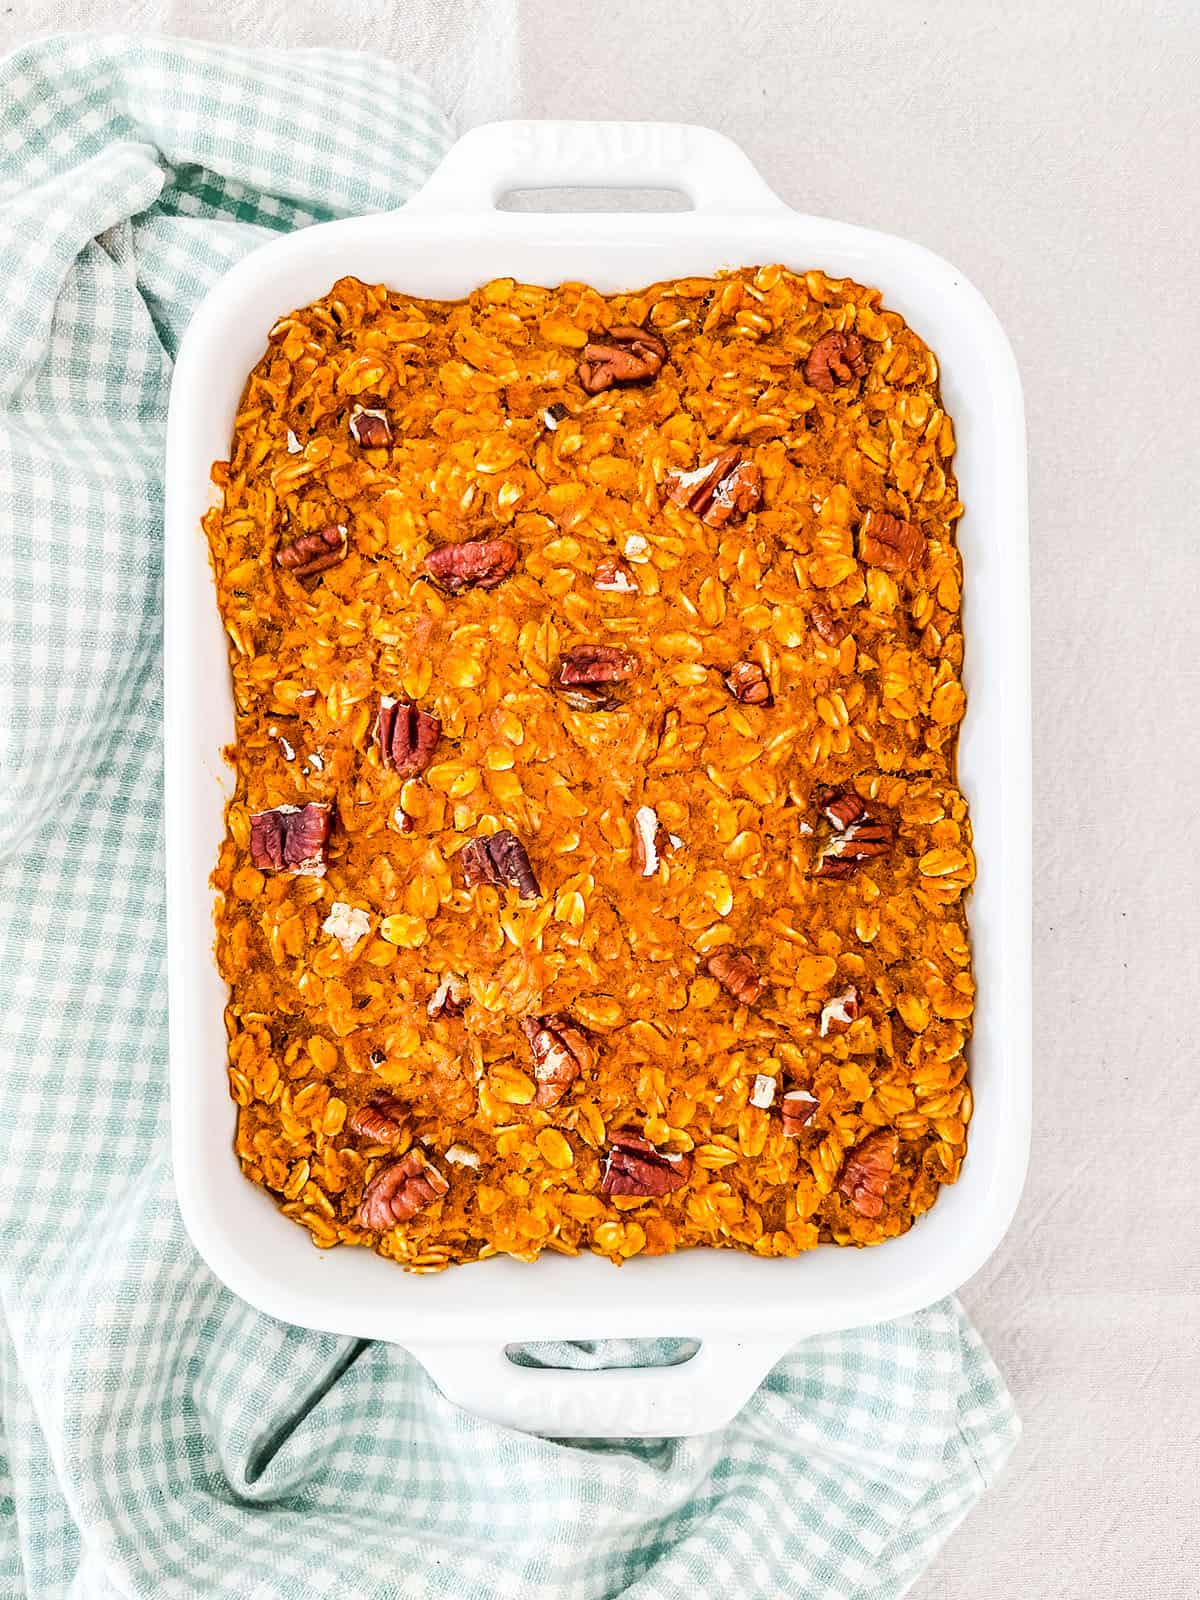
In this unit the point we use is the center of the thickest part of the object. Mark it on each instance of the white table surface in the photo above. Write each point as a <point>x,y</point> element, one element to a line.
<point>1051,151</point>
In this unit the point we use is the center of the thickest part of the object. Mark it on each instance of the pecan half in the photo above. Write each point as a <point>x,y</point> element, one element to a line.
<point>590,665</point>
<point>398,1191</point>
<point>614,576</point>
<point>587,673</point>
<point>723,490</point>
<point>292,837</point>
<point>406,736</point>
<point>835,358</point>
<point>379,1120</point>
<point>450,997</point>
<point>314,552</point>
<point>371,429</point>
<point>837,1014</point>
<point>560,1050</point>
<point>635,1167</point>
<point>499,859</point>
<point>796,1109</point>
<point>474,564</point>
<point>884,541</point>
<point>827,625</point>
<point>622,355</point>
<point>868,1168</point>
<point>734,971</point>
<point>857,835</point>
<point>747,682</point>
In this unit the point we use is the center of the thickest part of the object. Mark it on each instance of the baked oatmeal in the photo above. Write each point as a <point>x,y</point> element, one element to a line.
<point>594,878</point>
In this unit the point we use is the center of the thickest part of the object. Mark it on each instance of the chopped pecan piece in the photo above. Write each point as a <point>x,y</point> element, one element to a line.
<point>734,970</point>
<point>837,1014</point>
<point>398,1191</point>
<point>406,736</point>
<point>371,429</point>
<point>796,1108</point>
<point>857,835</point>
<point>379,1120</point>
<point>314,552</point>
<point>290,836</point>
<point>723,490</point>
<point>846,852</point>
<point>499,859</point>
<point>844,806</point>
<point>884,541</point>
<point>450,997</point>
<point>560,1051</point>
<point>347,924</point>
<point>587,673</point>
<point>748,683</point>
<point>553,415</point>
<point>762,1091</point>
<point>475,564</point>
<point>459,1155</point>
<point>829,627</point>
<point>694,490</point>
<point>836,358</point>
<point>614,576</point>
<point>650,841</point>
<point>635,1167</point>
<point>647,830</point>
<point>737,494</point>
<point>622,355</point>
<point>868,1168</point>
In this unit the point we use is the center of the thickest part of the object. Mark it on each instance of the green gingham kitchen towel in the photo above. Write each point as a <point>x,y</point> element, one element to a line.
<point>159,1438</point>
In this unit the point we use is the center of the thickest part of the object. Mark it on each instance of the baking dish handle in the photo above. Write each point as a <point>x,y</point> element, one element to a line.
<point>696,1396</point>
<point>714,173</point>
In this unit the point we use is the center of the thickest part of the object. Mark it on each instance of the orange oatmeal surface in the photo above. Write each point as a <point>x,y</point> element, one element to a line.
<point>594,877</point>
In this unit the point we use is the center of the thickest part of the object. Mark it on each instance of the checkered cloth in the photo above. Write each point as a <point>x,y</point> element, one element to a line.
<point>159,1437</point>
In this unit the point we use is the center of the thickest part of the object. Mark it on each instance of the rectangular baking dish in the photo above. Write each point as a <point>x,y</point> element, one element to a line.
<point>746,1311</point>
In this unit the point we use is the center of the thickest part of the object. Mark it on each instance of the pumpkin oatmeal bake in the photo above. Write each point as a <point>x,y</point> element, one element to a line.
<point>594,877</point>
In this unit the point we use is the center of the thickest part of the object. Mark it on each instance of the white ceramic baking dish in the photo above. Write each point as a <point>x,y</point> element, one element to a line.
<point>449,239</point>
